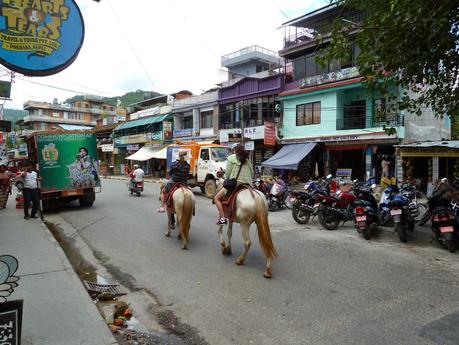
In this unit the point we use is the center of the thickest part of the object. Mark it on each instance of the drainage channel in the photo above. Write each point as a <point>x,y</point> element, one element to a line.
<point>113,303</point>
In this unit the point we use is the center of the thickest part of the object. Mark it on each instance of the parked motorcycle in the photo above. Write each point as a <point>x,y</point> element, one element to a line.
<point>336,209</point>
<point>261,186</point>
<point>305,203</point>
<point>443,218</point>
<point>136,188</point>
<point>279,195</point>
<point>366,211</point>
<point>384,206</point>
<point>404,212</point>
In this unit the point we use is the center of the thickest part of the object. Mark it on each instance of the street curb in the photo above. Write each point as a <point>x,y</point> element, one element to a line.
<point>90,306</point>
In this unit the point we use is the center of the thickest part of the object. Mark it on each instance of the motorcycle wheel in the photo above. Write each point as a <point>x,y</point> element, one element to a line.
<point>401,232</point>
<point>328,221</point>
<point>451,246</point>
<point>366,232</point>
<point>385,218</point>
<point>288,202</point>
<point>425,218</point>
<point>300,215</point>
<point>272,205</point>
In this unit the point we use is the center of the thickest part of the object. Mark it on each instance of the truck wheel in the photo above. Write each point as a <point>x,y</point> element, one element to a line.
<point>87,200</point>
<point>210,187</point>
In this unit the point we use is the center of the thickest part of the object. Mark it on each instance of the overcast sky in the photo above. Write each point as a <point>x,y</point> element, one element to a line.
<point>178,42</point>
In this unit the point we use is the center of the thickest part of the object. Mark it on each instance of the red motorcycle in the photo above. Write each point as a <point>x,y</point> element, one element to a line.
<point>336,209</point>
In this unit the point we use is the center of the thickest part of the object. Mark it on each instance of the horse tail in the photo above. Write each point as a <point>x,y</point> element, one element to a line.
<point>264,233</point>
<point>187,213</point>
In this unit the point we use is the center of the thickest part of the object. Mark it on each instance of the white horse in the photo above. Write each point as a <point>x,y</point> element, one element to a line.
<point>184,203</point>
<point>251,206</point>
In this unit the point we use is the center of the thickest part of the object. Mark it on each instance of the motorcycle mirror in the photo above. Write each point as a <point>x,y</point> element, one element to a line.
<point>444,179</point>
<point>373,186</point>
<point>329,177</point>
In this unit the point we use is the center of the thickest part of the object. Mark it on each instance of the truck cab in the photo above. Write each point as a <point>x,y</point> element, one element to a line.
<point>207,164</point>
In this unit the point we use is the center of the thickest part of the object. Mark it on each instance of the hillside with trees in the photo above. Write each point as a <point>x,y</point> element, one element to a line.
<point>126,99</point>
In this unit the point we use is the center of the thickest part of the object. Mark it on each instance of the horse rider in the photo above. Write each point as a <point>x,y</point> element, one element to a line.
<point>239,167</point>
<point>178,172</point>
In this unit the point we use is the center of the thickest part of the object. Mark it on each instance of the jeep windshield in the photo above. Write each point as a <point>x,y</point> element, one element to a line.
<point>219,154</point>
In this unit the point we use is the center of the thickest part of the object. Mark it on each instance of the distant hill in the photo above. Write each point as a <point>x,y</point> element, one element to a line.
<point>14,115</point>
<point>126,99</point>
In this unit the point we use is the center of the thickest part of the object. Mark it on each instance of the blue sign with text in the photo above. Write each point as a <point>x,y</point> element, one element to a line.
<point>40,38</point>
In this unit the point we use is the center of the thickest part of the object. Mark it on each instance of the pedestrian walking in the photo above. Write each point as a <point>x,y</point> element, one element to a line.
<point>30,192</point>
<point>5,186</point>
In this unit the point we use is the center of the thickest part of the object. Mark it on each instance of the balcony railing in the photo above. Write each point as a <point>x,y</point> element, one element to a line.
<point>390,120</point>
<point>248,50</point>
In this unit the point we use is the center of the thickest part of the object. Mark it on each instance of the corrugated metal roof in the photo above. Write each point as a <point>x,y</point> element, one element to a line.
<point>143,121</point>
<point>454,144</point>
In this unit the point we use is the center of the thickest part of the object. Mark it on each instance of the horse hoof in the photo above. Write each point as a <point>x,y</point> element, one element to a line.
<point>179,236</point>
<point>268,274</point>
<point>239,262</point>
<point>167,234</point>
<point>184,247</point>
<point>228,251</point>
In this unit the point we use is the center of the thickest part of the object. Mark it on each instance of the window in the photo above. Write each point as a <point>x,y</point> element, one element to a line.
<point>259,69</point>
<point>299,68</point>
<point>205,154</point>
<point>75,116</point>
<point>206,119</point>
<point>188,122</point>
<point>308,114</point>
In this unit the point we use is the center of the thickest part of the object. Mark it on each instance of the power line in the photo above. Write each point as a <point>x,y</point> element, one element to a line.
<point>130,44</point>
<point>52,86</point>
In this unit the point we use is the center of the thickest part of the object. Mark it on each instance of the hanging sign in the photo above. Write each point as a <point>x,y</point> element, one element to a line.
<point>270,133</point>
<point>40,38</point>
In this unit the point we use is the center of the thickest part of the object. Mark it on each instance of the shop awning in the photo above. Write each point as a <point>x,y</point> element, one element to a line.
<point>161,153</point>
<point>143,121</point>
<point>144,153</point>
<point>289,156</point>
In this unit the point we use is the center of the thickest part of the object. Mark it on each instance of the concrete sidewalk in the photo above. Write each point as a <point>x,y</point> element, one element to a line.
<point>57,308</point>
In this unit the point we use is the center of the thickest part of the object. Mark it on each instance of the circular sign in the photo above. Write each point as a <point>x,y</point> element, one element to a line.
<point>40,38</point>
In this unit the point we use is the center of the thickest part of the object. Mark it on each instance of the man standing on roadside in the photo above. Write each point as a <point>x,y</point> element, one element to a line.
<point>30,192</point>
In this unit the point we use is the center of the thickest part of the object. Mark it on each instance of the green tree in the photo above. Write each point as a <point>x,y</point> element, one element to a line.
<point>411,43</point>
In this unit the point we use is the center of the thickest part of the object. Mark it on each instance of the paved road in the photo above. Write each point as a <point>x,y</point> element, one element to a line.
<point>328,287</point>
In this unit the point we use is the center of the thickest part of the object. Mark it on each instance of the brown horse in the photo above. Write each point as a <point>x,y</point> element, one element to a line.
<point>251,206</point>
<point>184,203</point>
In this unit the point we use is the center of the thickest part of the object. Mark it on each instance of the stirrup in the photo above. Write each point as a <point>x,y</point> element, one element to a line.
<point>222,221</point>
<point>160,210</point>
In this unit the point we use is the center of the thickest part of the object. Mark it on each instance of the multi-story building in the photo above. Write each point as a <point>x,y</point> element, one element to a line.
<point>149,127</point>
<point>196,117</point>
<point>247,101</point>
<point>327,108</point>
<point>76,115</point>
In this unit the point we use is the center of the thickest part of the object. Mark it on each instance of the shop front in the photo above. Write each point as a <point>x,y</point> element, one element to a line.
<point>424,163</point>
<point>260,141</point>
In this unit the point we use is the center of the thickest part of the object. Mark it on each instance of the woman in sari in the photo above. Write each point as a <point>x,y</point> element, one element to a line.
<point>5,186</point>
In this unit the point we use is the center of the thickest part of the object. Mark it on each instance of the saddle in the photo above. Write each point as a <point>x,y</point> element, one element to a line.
<point>229,201</point>
<point>169,200</point>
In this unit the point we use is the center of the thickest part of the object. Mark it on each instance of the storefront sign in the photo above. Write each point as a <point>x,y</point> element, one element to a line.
<point>67,161</point>
<point>253,133</point>
<point>133,147</point>
<point>373,136</point>
<point>429,152</point>
<point>11,322</point>
<point>40,38</point>
<point>270,133</point>
<point>345,73</point>
<point>156,136</point>
<point>249,145</point>
<point>106,147</point>
<point>139,138</point>
<point>167,129</point>
<point>179,133</point>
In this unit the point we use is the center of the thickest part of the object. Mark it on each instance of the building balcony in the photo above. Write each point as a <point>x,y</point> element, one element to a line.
<point>58,120</point>
<point>197,100</point>
<point>391,120</point>
<point>30,105</point>
<point>252,53</point>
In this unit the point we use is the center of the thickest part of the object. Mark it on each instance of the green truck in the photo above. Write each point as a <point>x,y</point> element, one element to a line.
<point>67,164</point>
